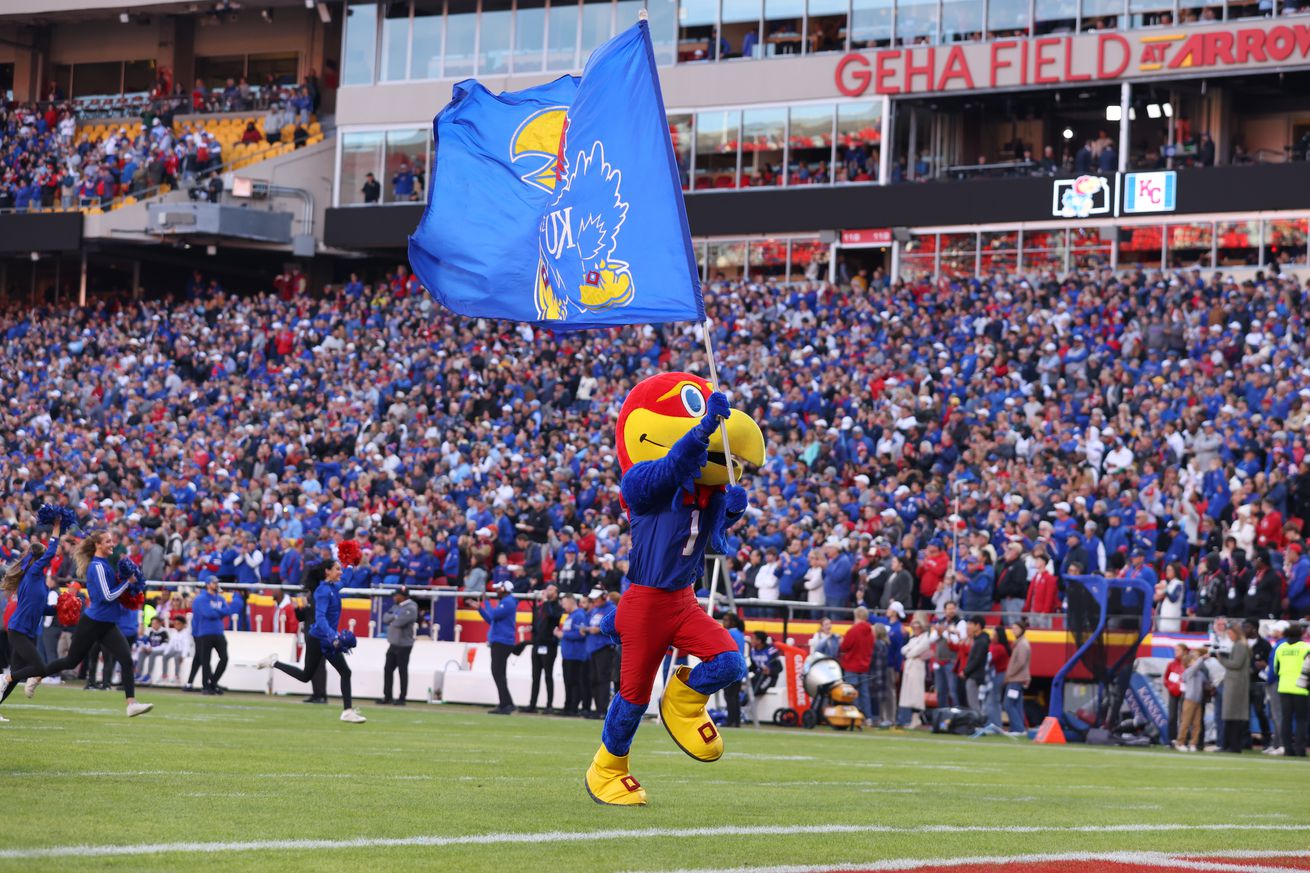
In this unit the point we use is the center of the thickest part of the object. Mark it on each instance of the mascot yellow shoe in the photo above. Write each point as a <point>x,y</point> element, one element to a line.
<point>609,782</point>
<point>682,709</point>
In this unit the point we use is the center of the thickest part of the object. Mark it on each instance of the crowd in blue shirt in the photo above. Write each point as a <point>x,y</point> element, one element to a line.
<point>1139,422</point>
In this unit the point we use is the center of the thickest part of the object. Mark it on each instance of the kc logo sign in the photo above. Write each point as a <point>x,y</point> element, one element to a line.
<point>1150,192</point>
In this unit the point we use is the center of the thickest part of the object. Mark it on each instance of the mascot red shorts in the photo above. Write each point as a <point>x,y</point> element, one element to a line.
<point>649,620</point>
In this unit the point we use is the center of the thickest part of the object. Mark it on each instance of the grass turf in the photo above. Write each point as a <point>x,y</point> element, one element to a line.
<point>76,772</point>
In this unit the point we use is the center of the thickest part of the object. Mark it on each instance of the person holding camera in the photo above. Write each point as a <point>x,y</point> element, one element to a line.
<point>1236,708</point>
<point>400,623</point>
<point>501,633</point>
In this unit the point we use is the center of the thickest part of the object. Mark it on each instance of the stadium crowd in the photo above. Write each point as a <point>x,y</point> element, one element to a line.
<point>1034,428</point>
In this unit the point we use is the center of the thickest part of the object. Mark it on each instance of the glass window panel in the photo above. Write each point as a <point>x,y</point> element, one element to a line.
<point>361,43</point>
<point>663,29</point>
<point>716,148</point>
<point>597,25</point>
<point>999,252</point>
<point>680,135</point>
<point>101,78</point>
<point>493,37</point>
<point>138,76</point>
<point>214,72</point>
<point>1090,247</point>
<point>1096,14</point>
<point>1285,241</point>
<point>962,20</point>
<point>282,67</point>
<point>741,28</point>
<point>1250,10</point>
<point>959,254</point>
<point>916,21</point>
<point>1194,11</point>
<point>809,260</point>
<point>1140,246</point>
<point>1145,13</point>
<point>782,26</point>
<point>461,38</point>
<point>696,29</point>
<point>361,154</point>
<point>826,28</point>
<point>919,257</point>
<point>768,259</point>
<point>626,12</point>
<point>871,23</point>
<point>406,161</point>
<point>395,42</point>
<point>64,77</point>
<point>425,54</point>
<point>563,37</point>
<point>1044,250</point>
<point>529,35</point>
<point>763,133</point>
<point>811,145</point>
<point>859,133</point>
<point>726,260</point>
<point>1060,16</point>
<point>1007,18</point>
<point>1189,245</point>
<point>1238,244</point>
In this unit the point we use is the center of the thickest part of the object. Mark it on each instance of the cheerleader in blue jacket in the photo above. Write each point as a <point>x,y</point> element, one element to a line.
<point>99,622</point>
<point>25,581</point>
<point>324,583</point>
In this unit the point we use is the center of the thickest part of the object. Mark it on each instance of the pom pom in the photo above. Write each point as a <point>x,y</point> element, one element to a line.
<point>47,515</point>
<point>127,569</point>
<point>132,600</point>
<point>346,641</point>
<point>69,516</point>
<point>348,553</point>
<point>68,608</point>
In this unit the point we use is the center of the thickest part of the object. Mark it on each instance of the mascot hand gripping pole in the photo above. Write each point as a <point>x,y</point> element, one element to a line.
<point>675,487</point>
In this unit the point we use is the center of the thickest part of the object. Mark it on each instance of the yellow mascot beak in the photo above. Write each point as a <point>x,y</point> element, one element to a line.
<point>648,436</point>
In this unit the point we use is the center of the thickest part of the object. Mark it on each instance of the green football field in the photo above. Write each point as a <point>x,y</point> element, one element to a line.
<point>251,783</point>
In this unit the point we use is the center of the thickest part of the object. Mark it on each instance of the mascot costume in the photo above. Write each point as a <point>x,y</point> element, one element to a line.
<point>676,489</point>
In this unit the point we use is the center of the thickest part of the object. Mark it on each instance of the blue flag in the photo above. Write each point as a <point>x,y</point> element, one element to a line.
<point>561,205</point>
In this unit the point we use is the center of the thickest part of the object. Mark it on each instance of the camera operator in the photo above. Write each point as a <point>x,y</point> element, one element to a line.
<point>400,623</point>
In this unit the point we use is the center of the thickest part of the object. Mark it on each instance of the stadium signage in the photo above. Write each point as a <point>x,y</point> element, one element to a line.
<point>870,236</point>
<point>1070,60</point>
<point>1150,192</point>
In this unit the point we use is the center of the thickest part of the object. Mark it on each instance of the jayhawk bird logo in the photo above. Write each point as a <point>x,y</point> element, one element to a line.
<point>577,239</point>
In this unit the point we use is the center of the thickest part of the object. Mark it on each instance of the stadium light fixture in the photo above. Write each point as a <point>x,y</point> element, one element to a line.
<point>1168,109</point>
<point>124,18</point>
<point>1153,110</point>
<point>309,4</point>
<point>267,15</point>
<point>1113,113</point>
<point>324,13</point>
<point>1068,133</point>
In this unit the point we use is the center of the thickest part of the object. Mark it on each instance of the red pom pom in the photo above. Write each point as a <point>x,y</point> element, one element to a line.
<point>348,553</point>
<point>132,601</point>
<point>68,608</point>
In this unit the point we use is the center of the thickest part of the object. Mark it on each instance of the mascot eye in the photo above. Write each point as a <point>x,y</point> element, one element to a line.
<point>693,400</point>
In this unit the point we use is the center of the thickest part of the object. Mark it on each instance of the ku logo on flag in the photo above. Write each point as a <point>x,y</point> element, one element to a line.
<point>578,267</point>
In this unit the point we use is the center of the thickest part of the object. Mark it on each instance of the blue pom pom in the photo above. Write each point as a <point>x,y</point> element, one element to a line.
<point>127,569</point>
<point>69,516</point>
<point>346,640</point>
<point>47,515</point>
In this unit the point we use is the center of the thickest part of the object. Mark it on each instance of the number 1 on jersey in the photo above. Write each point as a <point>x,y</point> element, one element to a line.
<point>690,548</point>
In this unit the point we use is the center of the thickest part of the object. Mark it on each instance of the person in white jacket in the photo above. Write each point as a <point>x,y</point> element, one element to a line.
<point>917,652</point>
<point>1243,530</point>
<point>766,581</point>
<point>814,579</point>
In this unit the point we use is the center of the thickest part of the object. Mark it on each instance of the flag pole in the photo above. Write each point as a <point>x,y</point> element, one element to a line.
<point>714,380</point>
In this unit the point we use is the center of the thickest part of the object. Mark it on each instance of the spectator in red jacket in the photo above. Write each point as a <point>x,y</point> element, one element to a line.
<point>1173,683</point>
<point>1043,595</point>
<point>855,653</point>
<point>932,570</point>
<point>1269,530</point>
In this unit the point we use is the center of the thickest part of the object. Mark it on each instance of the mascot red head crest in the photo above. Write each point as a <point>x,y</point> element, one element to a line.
<point>661,409</point>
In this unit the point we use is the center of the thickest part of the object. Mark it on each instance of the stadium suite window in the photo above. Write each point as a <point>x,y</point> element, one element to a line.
<point>681,136</point>
<point>962,20</point>
<point>767,259</point>
<point>1007,18</point>
<point>562,22</point>
<point>494,37</point>
<point>461,38</point>
<point>1096,15</point>
<point>916,22</point>
<point>406,166</point>
<point>809,141</point>
<point>530,36</point>
<point>663,29</point>
<point>717,136</point>
<point>597,26</point>
<point>1237,244</point>
<point>1284,241</point>
<point>826,26</point>
<point>1190,245</point>
<point>871,23</point>
<point>1060,16</point>
<point>859,137</point>
<point>394,64</point>
<point>698,30</point>
<point>98,78</point>
<point>763,137</point>
<point>784,26</point>
<point>361,154</point>
<point>740,23</point>
<point>361,36</point>
<point>425,44</point>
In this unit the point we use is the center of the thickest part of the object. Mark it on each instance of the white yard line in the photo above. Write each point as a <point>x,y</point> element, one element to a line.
<point>509,838</point>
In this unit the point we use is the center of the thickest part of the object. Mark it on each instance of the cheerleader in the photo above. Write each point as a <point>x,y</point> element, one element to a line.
<point>99,622</point>
<point>322,641</point>
<point>25,584</point>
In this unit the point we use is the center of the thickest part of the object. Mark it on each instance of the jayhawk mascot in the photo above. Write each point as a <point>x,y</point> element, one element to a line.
<point>675,487</point>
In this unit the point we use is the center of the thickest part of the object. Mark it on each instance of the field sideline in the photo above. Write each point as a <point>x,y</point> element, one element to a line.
<point>252,783</point>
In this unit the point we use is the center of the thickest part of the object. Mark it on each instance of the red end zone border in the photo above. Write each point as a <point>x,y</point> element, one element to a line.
<point>1272,861</point>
